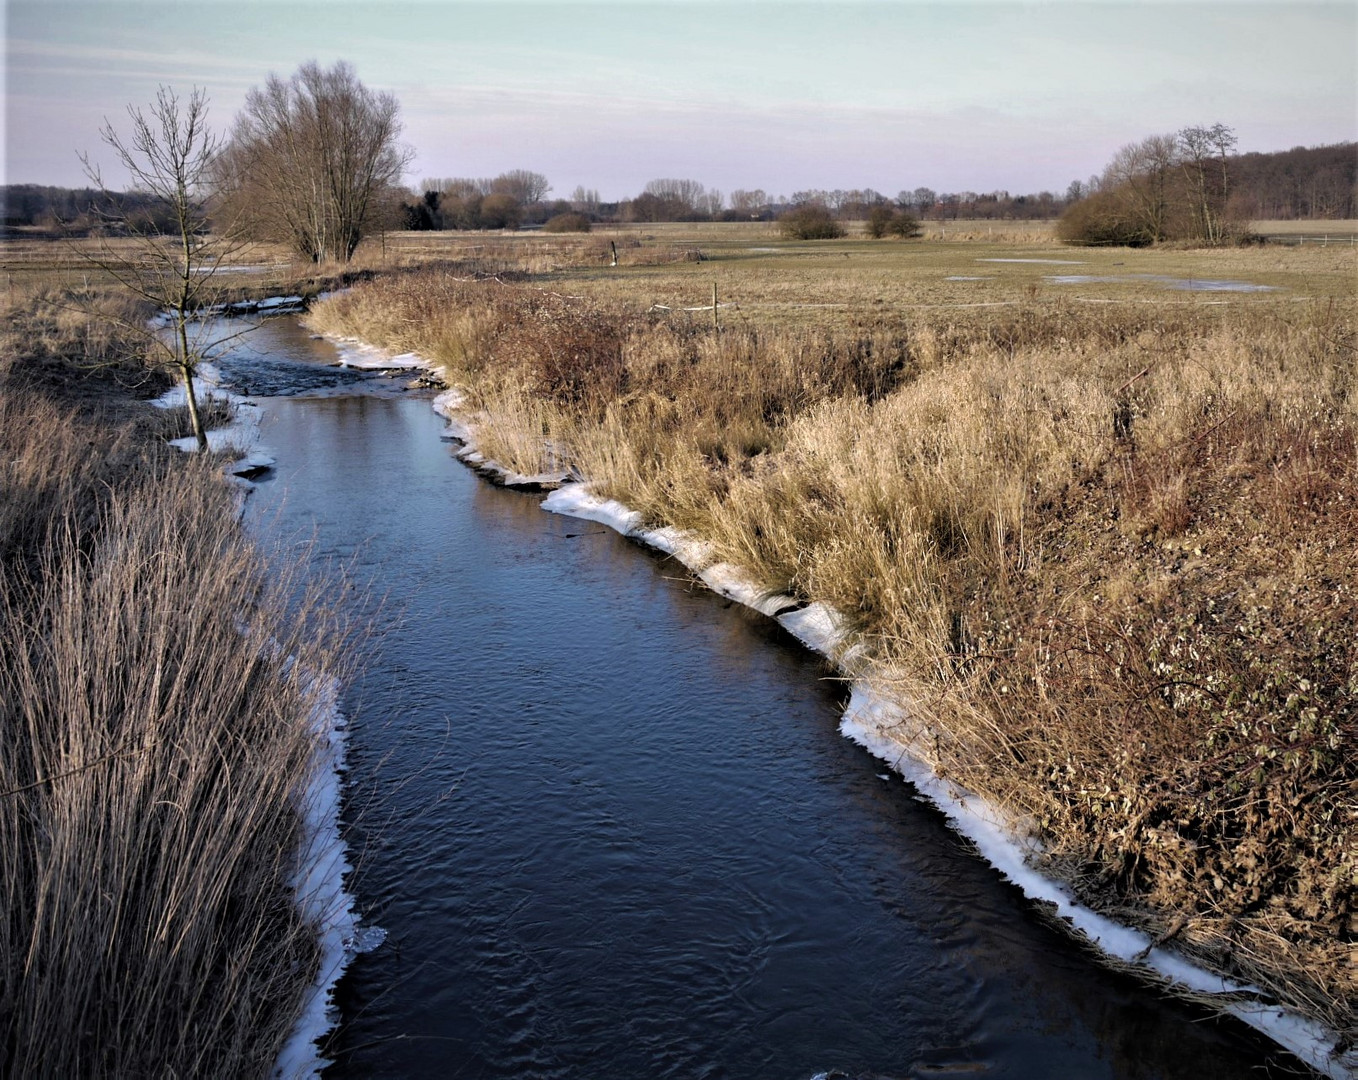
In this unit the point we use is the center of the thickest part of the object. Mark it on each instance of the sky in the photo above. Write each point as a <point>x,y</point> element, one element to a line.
<point>955,95</point>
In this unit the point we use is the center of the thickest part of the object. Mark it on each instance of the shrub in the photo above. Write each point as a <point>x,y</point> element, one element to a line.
<point>879,217</point>
<point>568,222</point>
<point>810,222</point>
<point>1101,219</point>
<point>500,212</point>
<point>883,221</point>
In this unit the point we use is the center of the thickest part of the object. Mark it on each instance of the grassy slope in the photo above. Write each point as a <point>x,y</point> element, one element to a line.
<point>1101,534</point>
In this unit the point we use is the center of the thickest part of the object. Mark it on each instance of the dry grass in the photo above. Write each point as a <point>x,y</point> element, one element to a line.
<point>154,740</point>
<point>1105,549</point>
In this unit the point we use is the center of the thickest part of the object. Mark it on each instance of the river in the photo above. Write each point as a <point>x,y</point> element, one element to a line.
<point>608,822</point>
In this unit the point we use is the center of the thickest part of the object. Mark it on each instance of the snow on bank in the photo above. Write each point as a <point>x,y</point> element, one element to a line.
<point>240,436</point>
<point>318,884</point>
<point>449,406</point>
<point>356,354</point>
<point>882,726</point>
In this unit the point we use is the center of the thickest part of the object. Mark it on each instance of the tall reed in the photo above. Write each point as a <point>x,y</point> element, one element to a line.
<point>157,686</point>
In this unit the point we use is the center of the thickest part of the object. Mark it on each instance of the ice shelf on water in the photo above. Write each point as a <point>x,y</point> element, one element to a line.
<point>240,435</point>
<point>356,354</point>
<point>318,886</point>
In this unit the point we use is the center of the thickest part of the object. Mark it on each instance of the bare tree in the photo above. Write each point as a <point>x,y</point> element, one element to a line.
<point>1203,152</point>
<point>1141,174</point>
<point>750,203</point>
<point>460,187</point>
<point>312,158</point>
<point>170,156</point>
<point>689,193</point>
<point>523,186</point>
<point>585,200</point>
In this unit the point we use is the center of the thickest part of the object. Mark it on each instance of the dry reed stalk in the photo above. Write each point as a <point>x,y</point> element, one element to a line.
<point>154,740</point>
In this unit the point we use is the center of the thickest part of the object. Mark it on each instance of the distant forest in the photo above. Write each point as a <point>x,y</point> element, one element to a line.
<point>1301,183</point>
<point>80,209</point>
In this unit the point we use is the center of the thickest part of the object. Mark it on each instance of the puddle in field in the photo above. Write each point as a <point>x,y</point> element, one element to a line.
<point>1046,262</point>
<point>1181,284</point>
<point>964,277</point>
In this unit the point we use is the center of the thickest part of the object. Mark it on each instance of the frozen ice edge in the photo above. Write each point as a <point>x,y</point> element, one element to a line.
<point>322,858</point>
<point>878,723</point>
<point>449,406</point>
<point>240,436</point>
<point>318,886</point>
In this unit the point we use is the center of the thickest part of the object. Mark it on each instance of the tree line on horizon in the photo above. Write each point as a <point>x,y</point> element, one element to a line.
<point>470,203</point>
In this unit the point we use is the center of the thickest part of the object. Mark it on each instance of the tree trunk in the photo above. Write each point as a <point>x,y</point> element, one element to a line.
<point>186,374</point>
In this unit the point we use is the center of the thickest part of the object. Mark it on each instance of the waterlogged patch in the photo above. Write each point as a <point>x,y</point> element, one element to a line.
<point>1045,262</point>
<point>1182,284</point>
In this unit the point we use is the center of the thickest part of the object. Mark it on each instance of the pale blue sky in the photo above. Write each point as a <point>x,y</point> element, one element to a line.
<point>961,95</point>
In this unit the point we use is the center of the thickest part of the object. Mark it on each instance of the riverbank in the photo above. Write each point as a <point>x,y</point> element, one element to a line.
<point>1101,553</point>
<point>159,689</point>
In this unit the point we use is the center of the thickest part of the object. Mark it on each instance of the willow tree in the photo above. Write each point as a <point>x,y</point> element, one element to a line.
<point>312,159</point>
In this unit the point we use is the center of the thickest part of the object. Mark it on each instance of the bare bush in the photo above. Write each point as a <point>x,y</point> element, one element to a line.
<point>810,222</point>
<point>564,223</point>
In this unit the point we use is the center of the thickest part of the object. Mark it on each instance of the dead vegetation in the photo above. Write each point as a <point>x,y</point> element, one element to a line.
<point>1106,553</point>
<point>155,736</point>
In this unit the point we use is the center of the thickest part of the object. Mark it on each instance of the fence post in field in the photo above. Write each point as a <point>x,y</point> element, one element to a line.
<point>715,325</point>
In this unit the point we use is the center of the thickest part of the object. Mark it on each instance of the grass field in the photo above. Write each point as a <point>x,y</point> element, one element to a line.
<point>676,264</point>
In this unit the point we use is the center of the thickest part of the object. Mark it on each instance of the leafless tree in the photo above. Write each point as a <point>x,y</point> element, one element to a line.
<point>460,187</point>
<point>1142,173</point>
<point>170,156</point>
<point>690,193</point>
<point>312,158</point>
<point>749,202</point>
<point>585,200</point>
<point>523,186</point>
<point>1203,152</point>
